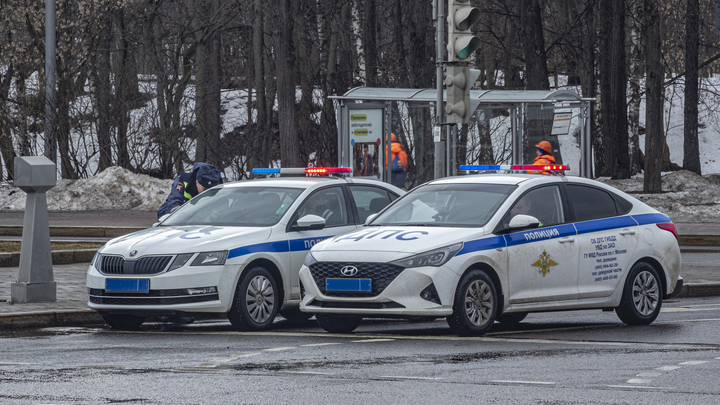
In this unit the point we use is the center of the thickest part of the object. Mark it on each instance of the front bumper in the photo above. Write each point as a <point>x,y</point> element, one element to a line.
<point>172,292</point>
<point>401,298</point>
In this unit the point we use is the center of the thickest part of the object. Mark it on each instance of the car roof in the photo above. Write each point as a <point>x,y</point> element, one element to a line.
<point>303,182</point>
<point>510,179</point>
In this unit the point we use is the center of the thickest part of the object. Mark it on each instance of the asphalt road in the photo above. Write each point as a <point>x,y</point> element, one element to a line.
<point>583,357</point>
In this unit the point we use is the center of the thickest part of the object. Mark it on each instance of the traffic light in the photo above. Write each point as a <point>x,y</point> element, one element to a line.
<point>461,42</point>
<point>458,80</point>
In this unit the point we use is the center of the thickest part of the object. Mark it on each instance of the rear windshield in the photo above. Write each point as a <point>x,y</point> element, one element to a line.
<point>447,205</point>
<point>236,206</point>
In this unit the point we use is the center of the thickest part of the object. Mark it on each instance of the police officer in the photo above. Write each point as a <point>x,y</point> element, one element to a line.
<point>188,185</point>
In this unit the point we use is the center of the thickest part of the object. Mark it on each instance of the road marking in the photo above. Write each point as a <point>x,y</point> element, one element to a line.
<point>687,309</point>
<point>522,382</point>
<point>248,354</point>
<point>402,377</point>
<point>667,368</point>
<point>640,386</point>
<point>691,320</point>
<point>648,374</point>
<point>692,363</point>
<point>279,349</point>
<point>222,359</point>
<point>372,340</point>
<point>321,344</point>
<point>638,381</point>
<point>304,372</point>
<point>15,364</point>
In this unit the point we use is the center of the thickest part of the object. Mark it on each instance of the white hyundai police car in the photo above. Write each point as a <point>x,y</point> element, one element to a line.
<point>233,250</point>
<point>493,247</point>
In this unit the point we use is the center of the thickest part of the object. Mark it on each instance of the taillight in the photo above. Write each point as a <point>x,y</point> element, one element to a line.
<point>670,227</point>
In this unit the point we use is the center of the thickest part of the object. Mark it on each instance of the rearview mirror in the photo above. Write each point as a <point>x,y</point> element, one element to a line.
<point>309,222</point>
<point>524,222</point>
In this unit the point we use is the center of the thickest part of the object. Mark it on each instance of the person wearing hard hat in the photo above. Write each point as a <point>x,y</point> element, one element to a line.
<point>543,156</point>
<point>398,161</point>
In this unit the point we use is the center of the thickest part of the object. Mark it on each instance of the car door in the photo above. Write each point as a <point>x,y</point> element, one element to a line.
<point>330,203</point>
<point>606,237</point>
<point>542,262</point>
<point>367,200</point>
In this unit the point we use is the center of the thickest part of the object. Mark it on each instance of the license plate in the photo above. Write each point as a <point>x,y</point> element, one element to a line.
<point>127,285</point>
<point>348,284</point>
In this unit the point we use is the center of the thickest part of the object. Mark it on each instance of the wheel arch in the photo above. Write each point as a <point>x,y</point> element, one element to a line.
<point>490,271</point>
<point>660,270</point>
<point>273,269</point>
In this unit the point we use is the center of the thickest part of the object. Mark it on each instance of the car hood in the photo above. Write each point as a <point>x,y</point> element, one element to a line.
<point>397,239</point>
<point>184,239</point>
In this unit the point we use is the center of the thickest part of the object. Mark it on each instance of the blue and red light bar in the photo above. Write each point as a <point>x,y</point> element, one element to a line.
<point>542,168</point>
<point>313,171</point>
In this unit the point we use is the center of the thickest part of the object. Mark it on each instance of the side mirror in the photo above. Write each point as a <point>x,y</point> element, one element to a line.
<point>370,218</point>
<point>309,222</point>
<point>524,222</point>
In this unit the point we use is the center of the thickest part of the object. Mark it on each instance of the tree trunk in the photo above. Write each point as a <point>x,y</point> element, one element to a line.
<point>617,150</point>
<point>691,150</point>
<point>256,156</point>
<point>125,90</point>
<point>369,37</point>
<point>654,110</point>
<point>606,99</point>
<point>6,143</point>
<point>285,69</point>
<point>636,73</point>
<point>103,91</point>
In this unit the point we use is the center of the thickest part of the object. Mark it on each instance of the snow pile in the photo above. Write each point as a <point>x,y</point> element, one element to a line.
<point>686,196</point>
<point>113,189</point>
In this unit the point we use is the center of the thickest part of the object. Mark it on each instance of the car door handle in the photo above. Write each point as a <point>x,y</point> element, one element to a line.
<point>627,232</point>
<point>565,240</point>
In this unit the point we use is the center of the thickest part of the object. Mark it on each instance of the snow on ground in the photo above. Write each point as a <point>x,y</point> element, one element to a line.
<point>686,197</point>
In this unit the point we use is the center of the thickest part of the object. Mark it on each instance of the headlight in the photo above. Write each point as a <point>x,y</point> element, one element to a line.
<point>309,260</point>
<point>210,258</point>
<point>180,261</point>
<point>434,258</point>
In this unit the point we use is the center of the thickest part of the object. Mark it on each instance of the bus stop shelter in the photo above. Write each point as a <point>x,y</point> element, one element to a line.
<point>366,116</point>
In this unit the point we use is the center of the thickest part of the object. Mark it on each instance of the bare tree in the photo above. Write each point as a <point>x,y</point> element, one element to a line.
<point>691,150</point>
<point>654,91</point>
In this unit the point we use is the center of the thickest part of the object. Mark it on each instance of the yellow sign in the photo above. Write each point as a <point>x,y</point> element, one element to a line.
<point>544,263</point>
<point>358,117</point>
<point>361,132</point>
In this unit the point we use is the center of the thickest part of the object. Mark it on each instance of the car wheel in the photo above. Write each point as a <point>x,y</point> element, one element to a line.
<point>337,323</point>
<point>475,305</point>
<point>295,315</point>
<point>512,318</point>
<point>123,322</point>
<point>256,300</point>
<point>642,296</point>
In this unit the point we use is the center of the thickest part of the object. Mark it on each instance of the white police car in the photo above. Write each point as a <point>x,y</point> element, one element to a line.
<point>493,247</point>
<point>234,250</point>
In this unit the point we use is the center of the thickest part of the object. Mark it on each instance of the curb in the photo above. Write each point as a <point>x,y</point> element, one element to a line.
<point>80,231</point>
<point>28,320</point>
<point>699,290</point>
<point>58,257</point>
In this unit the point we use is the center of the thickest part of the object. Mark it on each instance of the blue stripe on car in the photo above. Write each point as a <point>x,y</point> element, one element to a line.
<point>293,245</point>
<point>482,244</point>
<point>657,218</point>
<point>604,224</point>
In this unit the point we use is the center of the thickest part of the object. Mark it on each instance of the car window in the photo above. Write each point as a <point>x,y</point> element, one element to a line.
<point>236,206</point>
<point>328,203</point>
<point>370,200</point>
<point>543,203</point>
<point>589,203</point>
<point>453,205</point>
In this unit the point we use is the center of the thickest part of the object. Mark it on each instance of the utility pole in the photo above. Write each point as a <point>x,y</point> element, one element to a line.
<point>439,111</point>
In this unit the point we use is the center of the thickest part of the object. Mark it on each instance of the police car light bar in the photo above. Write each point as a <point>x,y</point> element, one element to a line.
<point>544,168</point>
<point>301,170</point>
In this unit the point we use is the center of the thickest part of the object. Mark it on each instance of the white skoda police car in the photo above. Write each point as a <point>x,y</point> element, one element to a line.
<point>493,247</point>
<point>233,250</point>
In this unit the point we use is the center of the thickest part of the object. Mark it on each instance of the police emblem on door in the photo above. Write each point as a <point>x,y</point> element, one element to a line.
<point>544,263</point>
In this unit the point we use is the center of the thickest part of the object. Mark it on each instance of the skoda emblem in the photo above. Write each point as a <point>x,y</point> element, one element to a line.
<point>133,253</point>
<point>349,271</point>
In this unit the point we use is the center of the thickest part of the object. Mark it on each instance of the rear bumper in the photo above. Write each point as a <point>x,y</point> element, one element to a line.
<point>676,291</point>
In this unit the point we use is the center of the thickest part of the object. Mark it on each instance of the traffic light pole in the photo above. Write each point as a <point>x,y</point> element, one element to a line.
<point>439,110</point>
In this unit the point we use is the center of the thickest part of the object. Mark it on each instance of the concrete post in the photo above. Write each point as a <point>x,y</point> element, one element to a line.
<point>35,175</point>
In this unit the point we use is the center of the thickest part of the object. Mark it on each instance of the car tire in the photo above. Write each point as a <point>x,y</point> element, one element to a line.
<point>123,321</point>
<point>512,318</point>
<point>295,315</point>
<point>338,323</point>
<point>642,296</point>
<point>256,301</point>
<point>474,306</point>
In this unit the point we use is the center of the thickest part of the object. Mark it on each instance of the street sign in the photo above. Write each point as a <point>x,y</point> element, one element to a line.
<point>561,123</point>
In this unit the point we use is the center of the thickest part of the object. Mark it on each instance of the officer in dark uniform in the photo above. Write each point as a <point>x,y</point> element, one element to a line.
<point>188,185</point>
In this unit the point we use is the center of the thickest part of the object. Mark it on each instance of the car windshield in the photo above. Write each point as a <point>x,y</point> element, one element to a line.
<point>236,206</point>
<point>453,205</point>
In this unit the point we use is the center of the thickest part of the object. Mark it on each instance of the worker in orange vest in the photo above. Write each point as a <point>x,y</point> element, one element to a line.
<point>399,160</point>
<point>543,156</point>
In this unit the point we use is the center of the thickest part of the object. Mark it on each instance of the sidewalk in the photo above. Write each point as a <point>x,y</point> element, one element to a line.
<point>701,276</point>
